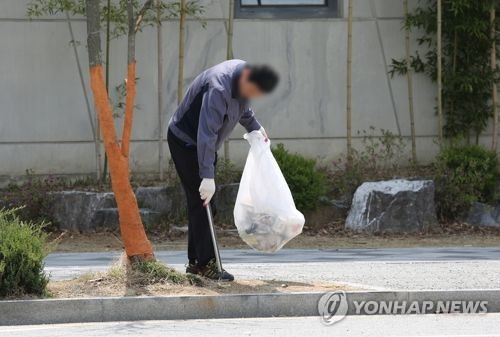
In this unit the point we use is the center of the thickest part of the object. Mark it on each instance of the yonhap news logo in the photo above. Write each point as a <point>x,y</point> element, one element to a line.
<point>334,306</point>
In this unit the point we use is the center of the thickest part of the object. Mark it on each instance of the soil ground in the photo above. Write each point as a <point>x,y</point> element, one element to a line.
<point>453,235</point>
<point>97,285</point>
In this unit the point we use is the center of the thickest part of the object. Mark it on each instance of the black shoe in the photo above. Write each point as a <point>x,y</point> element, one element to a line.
<point>211,271</point>
<point>191,268</point>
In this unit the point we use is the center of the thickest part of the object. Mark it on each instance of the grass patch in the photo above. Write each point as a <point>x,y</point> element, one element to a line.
<point>142,278</point>
<point>23,247</point>
<point>150,272</point>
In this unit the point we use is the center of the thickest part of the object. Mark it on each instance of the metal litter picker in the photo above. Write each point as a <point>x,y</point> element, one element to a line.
<point>214,238</point>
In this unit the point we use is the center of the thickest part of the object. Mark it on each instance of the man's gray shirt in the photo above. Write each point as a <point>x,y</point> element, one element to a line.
<point>209,112</point>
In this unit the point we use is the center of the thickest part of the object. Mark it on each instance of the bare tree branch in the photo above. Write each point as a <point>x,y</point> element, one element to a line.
<point>140,15</point>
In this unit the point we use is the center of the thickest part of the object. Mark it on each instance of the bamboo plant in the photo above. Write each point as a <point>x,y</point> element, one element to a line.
<point>230,28</point>
<point>493,64</point>
<point>349,82</point>
<point>182,27</point>
<point>409,77</point>
<point>93,123</point>
<point>229,55</point>
<point>440,70</point>
<point>159,38</point>
<point>457,51</point>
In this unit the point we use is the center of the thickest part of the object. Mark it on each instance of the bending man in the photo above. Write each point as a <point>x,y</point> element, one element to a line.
<point>216,101</point>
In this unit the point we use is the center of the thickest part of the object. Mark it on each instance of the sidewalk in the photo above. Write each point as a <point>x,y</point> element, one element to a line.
<point>370,269</point>
<point>355,326</point>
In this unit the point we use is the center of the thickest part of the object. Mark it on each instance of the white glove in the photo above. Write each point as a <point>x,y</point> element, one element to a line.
<point>207,190</point>
<point>263,131</point>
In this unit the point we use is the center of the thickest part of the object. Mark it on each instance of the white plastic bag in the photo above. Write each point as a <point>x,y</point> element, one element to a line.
<point>265,213</point>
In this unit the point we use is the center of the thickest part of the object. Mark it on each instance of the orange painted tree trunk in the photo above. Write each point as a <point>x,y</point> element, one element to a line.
<point>134,237</point>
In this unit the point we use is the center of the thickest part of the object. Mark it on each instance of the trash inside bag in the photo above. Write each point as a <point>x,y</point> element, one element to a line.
<point>265,213</point>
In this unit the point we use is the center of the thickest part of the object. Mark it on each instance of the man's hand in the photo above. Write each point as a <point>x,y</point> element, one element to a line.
<point>263,131</point>
<point>207,190</point>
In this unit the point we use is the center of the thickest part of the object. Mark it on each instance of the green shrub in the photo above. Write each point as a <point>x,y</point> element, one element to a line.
<point>23,247</point>
<point>465,174</point>
<point>227,172</point>
<point>378,158</point>
<point>306,182</point>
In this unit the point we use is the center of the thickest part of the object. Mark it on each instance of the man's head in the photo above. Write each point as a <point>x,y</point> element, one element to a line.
<point>256,81</point>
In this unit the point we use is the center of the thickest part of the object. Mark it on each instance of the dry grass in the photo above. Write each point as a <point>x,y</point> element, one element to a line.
<point>156,279</point>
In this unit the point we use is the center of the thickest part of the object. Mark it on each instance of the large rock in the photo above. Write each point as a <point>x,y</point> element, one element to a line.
<point>107,219</point>
<point>393,206</point>
<point>74,210</point>
<point>170,202</point>
<point>483,215</point>
<point>81,211</point>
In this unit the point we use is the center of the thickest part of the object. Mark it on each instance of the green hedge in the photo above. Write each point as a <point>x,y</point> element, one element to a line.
<point>23,247</point>
<point>465,174</point>
<point>306,182</point>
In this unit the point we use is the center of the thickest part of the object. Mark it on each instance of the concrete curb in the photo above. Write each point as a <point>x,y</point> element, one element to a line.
<point>53,311</point>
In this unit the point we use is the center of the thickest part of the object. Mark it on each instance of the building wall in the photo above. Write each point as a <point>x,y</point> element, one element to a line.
<point>44,124</point>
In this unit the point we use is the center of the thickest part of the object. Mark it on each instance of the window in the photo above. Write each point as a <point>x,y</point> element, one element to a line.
<point>287,9</point>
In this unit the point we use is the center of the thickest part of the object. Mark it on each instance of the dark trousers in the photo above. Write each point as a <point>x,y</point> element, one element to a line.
<point>185,158</point>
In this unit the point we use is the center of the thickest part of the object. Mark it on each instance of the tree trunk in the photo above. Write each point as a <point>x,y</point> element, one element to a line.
<point>108,54</point>
<point>229,55</point>
<point>409,77</point>
<point>134,237</point>
<point>182,24</point>
<point>349,83</point>
<point>454,66</point>
<point>440,70</point>
<point>159,38</point>
<point>95,130</point>
<point>230,25</point>
<point>493,68</point>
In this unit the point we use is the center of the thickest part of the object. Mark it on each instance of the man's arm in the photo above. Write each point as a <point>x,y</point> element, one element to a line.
<point>249,122</point>
<point>212,113</point>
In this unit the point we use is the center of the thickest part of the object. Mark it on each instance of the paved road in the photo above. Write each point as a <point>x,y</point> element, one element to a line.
<point>401,268</point>
<point>298,255</point>
<point>352,326</point>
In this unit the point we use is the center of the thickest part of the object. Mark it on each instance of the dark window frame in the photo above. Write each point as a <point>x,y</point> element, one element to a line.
<point>332,9</point>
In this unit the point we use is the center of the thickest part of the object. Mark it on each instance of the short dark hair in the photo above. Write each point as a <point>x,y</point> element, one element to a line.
<point>264,77</point>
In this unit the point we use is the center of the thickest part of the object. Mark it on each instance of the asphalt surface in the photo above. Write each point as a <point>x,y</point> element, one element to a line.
<point>356,326</point>
<point>298,255</point>
<point>378,269</point>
